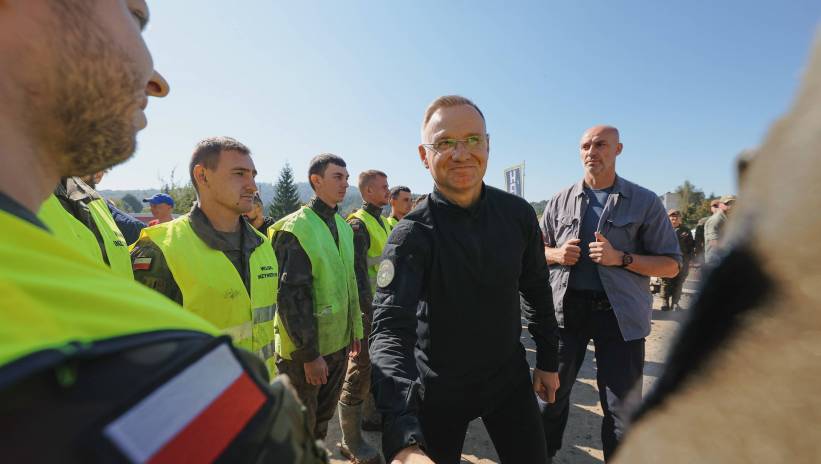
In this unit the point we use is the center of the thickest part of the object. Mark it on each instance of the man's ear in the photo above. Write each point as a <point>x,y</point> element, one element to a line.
<point>199,175</point>
<point>619,147</point>
<point>423,155</point>
<point>314,180</point>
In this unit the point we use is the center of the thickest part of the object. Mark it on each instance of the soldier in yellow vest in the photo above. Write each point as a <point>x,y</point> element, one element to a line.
<point>319,323</point>
<point>211,260</point>
<point>94,367</point>
<point>370,232</point>
<point>401,202</point>
<point>81,204</point>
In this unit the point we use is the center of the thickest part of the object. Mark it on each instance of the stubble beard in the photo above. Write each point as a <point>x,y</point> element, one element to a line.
<point>87,125</point>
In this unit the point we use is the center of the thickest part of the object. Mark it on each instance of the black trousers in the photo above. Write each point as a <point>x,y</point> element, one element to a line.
<point>511,417</point>
<point>619,368</point>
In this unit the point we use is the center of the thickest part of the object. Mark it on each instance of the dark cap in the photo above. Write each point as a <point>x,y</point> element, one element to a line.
<point>159,198</point>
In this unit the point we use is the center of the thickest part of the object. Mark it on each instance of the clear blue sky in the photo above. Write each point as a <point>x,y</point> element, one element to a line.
<point>690,84</point>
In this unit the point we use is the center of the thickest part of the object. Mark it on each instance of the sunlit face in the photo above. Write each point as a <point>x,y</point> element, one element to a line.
<point>378,192</point>
<point>231,183</point>
<point>675,219</point>
<point>87,77</point>
<point>401,205</point>
<point>333,185</point>
<point>463,169</point>
<point>161,211</point>
<point>598,149</point>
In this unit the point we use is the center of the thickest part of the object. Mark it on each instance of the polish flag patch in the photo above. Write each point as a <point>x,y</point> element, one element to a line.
<point>141,264</point>
<point>191,418</point>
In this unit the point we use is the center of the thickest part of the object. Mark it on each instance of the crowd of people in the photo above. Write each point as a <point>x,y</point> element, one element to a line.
<point>222,334</point>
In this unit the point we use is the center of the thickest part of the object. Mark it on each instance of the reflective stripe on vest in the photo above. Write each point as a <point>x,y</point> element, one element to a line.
<point>379,237</point>
<point>116,248</point>
<point>334,292</point>
<point>55,297</point>
<point>67,228</point>
<point>213,289</point>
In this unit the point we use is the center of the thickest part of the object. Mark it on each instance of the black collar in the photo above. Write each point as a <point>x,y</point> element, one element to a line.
<point>473,210</point>
<point>11,206</point>
<point>321,208</point>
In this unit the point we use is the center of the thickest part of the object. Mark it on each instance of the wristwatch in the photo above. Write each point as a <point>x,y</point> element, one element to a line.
<point>626,259</point>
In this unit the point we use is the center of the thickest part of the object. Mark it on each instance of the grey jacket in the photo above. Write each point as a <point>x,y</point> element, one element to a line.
<point>633,220</point>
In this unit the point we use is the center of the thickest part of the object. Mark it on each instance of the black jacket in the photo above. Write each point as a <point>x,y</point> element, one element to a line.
<point>447,314</point>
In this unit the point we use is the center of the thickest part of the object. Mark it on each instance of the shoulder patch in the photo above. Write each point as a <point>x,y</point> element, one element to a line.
<point>384,275</point>
<point>141,264</point>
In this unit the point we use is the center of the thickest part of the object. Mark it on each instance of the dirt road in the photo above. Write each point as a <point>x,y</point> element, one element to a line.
<point>582,443</point>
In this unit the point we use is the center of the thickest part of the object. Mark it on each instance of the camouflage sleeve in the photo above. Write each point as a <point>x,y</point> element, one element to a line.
<point>361,243</point>
<point>290,432</point>
<point>151,269</point>
<point>295,304</point>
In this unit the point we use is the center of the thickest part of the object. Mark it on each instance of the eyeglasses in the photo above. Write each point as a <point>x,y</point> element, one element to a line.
<point>448,146</point>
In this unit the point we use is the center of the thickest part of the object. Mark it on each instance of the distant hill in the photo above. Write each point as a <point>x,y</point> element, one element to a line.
<point>352,200</point>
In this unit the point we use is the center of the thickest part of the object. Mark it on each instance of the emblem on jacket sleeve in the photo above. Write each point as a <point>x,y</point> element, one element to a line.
<point>384,276</point>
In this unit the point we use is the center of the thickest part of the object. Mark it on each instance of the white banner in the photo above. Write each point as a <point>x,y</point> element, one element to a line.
<point>515,180</point>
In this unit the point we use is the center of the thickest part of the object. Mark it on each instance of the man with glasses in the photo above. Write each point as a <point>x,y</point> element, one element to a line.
<point>604,236</point>
<point>445,347</point>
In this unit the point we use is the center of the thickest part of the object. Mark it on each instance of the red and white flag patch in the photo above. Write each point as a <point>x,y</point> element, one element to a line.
<point>193,417</point>
<point>141,264</point>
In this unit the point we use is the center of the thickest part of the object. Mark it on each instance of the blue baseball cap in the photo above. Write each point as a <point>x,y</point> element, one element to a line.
<point>159,198</point>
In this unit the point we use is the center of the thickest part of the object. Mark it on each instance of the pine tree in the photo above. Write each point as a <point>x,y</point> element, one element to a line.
<point>286,196</point>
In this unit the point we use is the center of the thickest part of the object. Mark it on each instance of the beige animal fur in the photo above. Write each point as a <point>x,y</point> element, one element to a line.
<point>759,399</point>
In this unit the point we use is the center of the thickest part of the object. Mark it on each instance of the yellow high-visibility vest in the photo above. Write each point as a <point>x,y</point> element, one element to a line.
<point>56,297</point>
<point>334,292</point>
<point>67,228</point>
<point>116,248</point>
<point>379,237</point>
<point>213,289</point>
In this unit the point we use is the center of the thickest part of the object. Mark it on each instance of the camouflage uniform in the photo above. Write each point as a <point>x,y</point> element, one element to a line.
<point>158,276</point>
<point>671,287</point>
<point>296,311</point>
<point>358,378</point>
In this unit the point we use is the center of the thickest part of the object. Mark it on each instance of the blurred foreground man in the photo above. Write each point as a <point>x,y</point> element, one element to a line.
<point>604,236</point>
<point>319,323</point>
<point>94,367</point>
<point>211,260</point>
<point>445,345</point>
<point>400,204</point>
<point>370,233</point>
